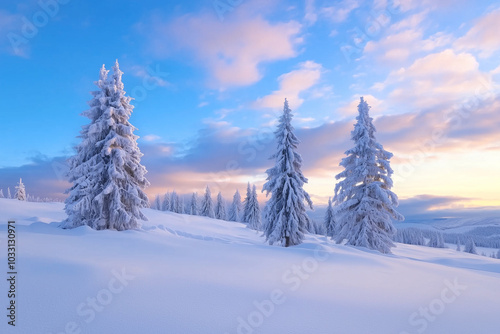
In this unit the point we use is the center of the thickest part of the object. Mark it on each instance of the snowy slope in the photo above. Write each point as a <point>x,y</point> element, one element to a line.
<point>184,274</point>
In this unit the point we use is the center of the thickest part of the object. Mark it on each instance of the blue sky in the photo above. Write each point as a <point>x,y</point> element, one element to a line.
<point>209,84</point>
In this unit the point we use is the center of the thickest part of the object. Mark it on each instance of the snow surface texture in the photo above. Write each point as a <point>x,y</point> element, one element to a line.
<point>189,274</point>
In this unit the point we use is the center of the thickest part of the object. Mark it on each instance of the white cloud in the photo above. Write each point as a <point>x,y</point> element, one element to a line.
<point>151,138</point>
<point>351,108</point>
<point>292,84</point>
<point>339,13</point>
<point>310,17</point>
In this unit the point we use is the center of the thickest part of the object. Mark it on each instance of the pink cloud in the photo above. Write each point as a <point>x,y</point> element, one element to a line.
<point>232,50</point>
<point>483,36</point>
<point>438,78</point>
<point>292,84</point>
<point>405,39</point>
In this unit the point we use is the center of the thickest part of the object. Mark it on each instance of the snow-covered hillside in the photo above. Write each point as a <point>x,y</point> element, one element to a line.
<point>185,274</point>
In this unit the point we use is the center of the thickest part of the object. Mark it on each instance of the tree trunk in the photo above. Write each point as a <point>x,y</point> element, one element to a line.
<point>287,241</point>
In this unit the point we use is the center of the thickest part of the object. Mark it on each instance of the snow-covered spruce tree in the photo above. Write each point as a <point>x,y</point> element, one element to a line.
<point>156,203</point>
<point>285,218</point>
<point>108,178</point>
<point>180,204</point>
<point>207,205</point>
<point>436,240</point>
<point>193,206</point>
<point>8,193</point>
<point>174,199</point>
<point>254,214</point>
<point>20,191</point>
<point>165,204</point>
<point>235,209</point>
<point>1,194</point>
<point>220,208</point>
<point>365,204</point>
<point>329,221</point>
<point>458,245</point>
<point>470,246</point>
<point>246,204</point>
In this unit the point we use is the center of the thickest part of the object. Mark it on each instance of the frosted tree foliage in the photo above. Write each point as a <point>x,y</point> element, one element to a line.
<point>470,246</point>
<point>285,215</point>
<point>193,207</point>
<point>207,205</point>
<point>20,191</point>
<point>180,205</point>
<point>108,178</point>
<point>329,222</point>
<point>8,193</point>
<point>246,204</point>
<point>157,203</point>
<point>165,204</point>
<point>254,214</point>
<point>410,236</point>
<point>1,194</point>
<point>235,210</point>
<point>220,208</point>
<point>364,201</point>
<point>436,240</point>
<point>174,202</point>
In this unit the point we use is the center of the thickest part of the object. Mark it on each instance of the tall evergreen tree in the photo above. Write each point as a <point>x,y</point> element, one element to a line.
<point>174,199</point>
<point>20,191</point>
<point>8,193</point>
<point>329,221</point>
<point>193,208</point>
<point>220,208</point>
<point>254,214</point>
<point>108,179</point>
<point>246,204</point>
<point>207,205</point>
<point>285,215</point>
<point>180,205</point>
<point>165,204</point>
<point>235,209</point>
<point>364,201</point>
<point>1,194</point>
